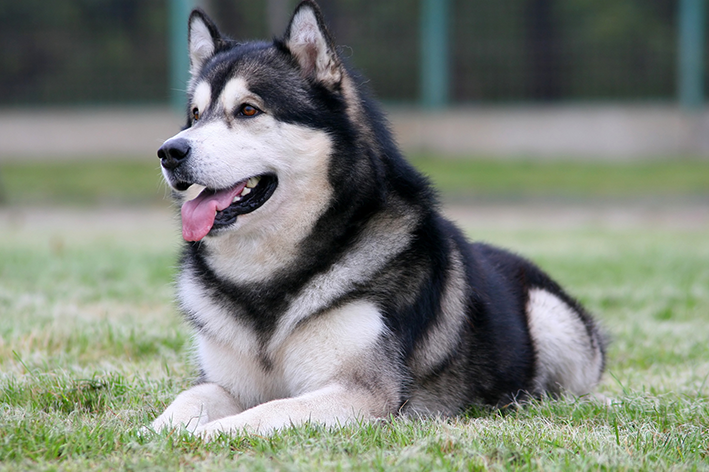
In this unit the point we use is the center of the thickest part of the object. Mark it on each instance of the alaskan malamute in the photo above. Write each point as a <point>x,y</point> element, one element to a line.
<point>320,278</point>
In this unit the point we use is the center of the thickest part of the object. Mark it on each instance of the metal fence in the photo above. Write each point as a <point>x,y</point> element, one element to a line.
<point>117,51</point>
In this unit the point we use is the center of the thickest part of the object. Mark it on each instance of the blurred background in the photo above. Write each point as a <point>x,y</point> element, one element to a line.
<point>595,82</point>
<point>104,52</point>
<point>574,132</point>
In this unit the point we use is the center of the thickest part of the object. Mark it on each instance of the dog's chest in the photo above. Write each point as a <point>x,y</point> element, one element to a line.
<point>302,353</point>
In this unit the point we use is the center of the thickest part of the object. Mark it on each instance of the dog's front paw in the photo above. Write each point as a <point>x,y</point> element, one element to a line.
<point>226,426</point>
<point>211,431</point>
<point>171,420</point>
<point>196,407</point>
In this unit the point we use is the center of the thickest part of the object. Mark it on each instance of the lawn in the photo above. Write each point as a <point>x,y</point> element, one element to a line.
<point>135,180</point>
<point>92,347</point>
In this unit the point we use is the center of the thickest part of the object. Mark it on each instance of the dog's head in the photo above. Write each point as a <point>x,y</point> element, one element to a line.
<point>256,143</point>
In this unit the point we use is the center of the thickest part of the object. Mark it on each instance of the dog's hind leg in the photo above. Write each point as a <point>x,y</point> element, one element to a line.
<point>196,407</point>
<point>569,347</point>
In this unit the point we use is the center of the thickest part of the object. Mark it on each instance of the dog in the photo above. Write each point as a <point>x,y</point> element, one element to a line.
<point>321,280</point>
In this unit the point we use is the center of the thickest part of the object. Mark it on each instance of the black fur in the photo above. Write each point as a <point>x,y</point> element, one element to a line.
<point>493,359</point>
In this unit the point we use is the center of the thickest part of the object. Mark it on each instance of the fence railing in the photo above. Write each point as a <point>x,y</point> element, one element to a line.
<point>431,52</point>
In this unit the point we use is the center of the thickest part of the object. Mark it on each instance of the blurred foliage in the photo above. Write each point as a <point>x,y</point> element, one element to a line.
<point>87,51</point>
<point>113,181</point>
<point>672,179</point>
<point>564,49</point>
<point>81,51</point>
<point>136,181</point>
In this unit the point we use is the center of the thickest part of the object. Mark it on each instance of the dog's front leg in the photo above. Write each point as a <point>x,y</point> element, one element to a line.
<point>331,406</point>
<point>198,406</point>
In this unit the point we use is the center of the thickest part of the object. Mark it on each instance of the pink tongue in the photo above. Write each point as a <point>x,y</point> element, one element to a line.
<point>198,214</point>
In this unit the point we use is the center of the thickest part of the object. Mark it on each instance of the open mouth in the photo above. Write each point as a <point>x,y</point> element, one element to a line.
<point>215,209</point>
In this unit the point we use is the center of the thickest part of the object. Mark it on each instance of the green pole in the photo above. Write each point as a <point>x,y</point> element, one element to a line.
<point>691,51</point>
<point>179,11</point>
<point>434,53</point>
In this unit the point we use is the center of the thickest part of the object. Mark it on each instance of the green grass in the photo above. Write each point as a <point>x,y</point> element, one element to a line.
<point>113,181</point>
<point>515,179</point>
<point>137,181</point>
<point>92,349</point>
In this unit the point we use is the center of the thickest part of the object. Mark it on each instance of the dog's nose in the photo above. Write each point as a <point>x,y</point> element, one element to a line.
<point>173,152</point>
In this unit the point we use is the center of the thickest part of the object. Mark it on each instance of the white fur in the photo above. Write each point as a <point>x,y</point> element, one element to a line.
<point>196,406</point>
<point>566,354</point>
<point>241,373</point>
<point>308,358</point>
<point>228,149</point>
<point>202,96</point>
<point>316,363</point>
<point>384,240</point>
<point>222,326</point>
<point>236,92</point>
<point>201,45</point>
<point>307,42</point>
<point>265,240</point>
<point>306,369</point>
<point>332,405</point>
<point>327,346</point>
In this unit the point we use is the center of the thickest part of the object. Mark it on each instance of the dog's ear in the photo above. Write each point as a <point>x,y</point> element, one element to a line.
<point>203,40</point>
<point>308,39</point>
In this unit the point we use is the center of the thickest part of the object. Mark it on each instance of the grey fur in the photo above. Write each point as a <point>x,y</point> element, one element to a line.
<point>342,294</point>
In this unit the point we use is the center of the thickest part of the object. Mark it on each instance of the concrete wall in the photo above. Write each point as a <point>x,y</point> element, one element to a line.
<point>609,132</point>
<point>66,133</point>
<point>605,132</point>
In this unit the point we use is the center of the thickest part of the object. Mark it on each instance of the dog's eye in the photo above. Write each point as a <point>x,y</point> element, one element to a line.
<point>195,113</point>
<point>248,110</point>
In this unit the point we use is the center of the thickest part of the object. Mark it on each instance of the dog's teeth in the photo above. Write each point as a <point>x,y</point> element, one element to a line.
<point>252,182</point>
<point>246,191</point>
<point>236,199</point>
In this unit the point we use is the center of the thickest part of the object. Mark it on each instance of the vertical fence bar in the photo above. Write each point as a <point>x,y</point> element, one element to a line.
<point>691,51</point>
<point>179,57</point>
<point>434,53</point>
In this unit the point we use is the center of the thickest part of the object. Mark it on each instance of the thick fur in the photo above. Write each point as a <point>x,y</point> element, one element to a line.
<point>346,295</point>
